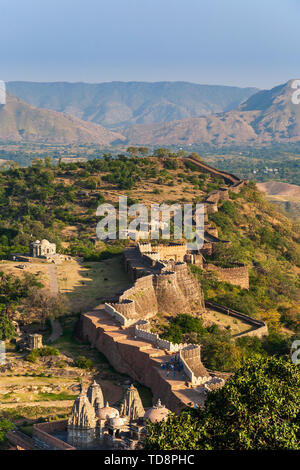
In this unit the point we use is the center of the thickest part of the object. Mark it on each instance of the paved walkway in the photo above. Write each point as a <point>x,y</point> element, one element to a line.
<point>57,330</point>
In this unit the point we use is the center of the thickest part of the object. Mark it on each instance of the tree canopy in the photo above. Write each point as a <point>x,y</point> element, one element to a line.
<point>258,408</point>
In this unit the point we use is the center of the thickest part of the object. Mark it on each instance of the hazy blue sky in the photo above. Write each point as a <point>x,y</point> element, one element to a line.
<point>234,42</point>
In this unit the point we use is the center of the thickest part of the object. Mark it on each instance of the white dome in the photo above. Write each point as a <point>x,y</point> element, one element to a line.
<point>116,422</point>
<point>107,412</point>
<point>157,413</point>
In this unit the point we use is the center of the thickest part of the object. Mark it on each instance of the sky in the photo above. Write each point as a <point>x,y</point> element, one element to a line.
<point>226,42</point>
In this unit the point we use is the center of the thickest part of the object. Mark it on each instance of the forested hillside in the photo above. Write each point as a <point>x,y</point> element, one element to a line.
<point>59,203</point>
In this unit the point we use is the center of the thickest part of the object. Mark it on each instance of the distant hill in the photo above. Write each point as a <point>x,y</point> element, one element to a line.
<point>285,196</point>
<point>267,117</point>
<point>124,104</point>
<point>20,121</point>
<point>284,190</point>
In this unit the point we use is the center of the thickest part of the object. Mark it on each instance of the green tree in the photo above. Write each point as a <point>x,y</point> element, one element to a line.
<point>133,151</point>
<point>143,151</point>
<point>5,426</point>
<point>7,329</point>
<point>257,409</point>
<point>161,152</point>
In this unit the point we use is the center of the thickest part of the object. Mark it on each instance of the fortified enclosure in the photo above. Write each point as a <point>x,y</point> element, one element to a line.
<point>163,283</point>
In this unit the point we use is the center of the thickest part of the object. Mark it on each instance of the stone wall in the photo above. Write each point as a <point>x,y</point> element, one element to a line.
<point>229,178</point>
<point>175,251</point>
<point>237,276</point>
<point>21,440</point>
<point>42,435</point>
<point>192,365</point>
<point>110,309</point>
<point>142,331</point>
<point>170,291</point>
<point>131,360</point>
<point>259,332</point>
<point>126,307</point>
<point>143,295</point>
<point>260,328</point>
<point>237,187</point>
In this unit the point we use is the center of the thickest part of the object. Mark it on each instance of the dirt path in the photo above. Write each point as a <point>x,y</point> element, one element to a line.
<point>55,325</point>
<point>53,403</point>
<point>53,284</point>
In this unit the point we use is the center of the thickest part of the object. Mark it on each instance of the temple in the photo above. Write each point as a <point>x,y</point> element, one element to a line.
<point>93,425</point>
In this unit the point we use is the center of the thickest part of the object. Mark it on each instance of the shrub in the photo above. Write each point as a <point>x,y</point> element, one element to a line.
<point>83,363</point>
<point>41,352</point>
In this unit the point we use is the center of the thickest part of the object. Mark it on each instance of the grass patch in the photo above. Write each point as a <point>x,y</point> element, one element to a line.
<point>85,285</point>
<point>54,397</point>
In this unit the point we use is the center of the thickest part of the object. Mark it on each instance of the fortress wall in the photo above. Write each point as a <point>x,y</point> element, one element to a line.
<point>192,365</point>
<point>170,291</point>
<point>211,207</point>
<point>144,247</point>
<point>229,178</point>
<point>147,335</point>
<point>116,315</point>
<point>211,230</point>
<point>125,307</point>
<point>173,347</point>
<point>198,259</point>
<point>164,252</point>
<point>237,187</point>
<point>141,331</point>
<point>131,360</point>
<point>237,276</point>
<point>18,438</point>
<point>260,327</point>
<point>258,332</point>
<point>187,370</point>
<point>151,256</point>
<point>175,252</point>
<point>143,294</point>
<point>169,296</point>
<point>189,287</point>
<point>213,197</point>
<point>224,194</point>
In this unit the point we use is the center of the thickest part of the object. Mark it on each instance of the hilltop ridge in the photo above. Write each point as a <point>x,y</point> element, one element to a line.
<point>21,122</point>
<point>266,118</point>
<point>124,104</point>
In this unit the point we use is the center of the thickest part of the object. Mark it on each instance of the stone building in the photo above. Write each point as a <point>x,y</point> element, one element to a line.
<point>93,426</point>
<point>157,413</point>
<point>82,422</point>
<point>42,249</point>
<point>95,395</point>
<point>132,406</point>
<point>35,341</point>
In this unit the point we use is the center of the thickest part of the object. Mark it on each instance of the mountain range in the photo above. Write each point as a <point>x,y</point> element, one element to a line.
<point>124,104</point>
<point>266,117</point>
<point>20,121</point>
